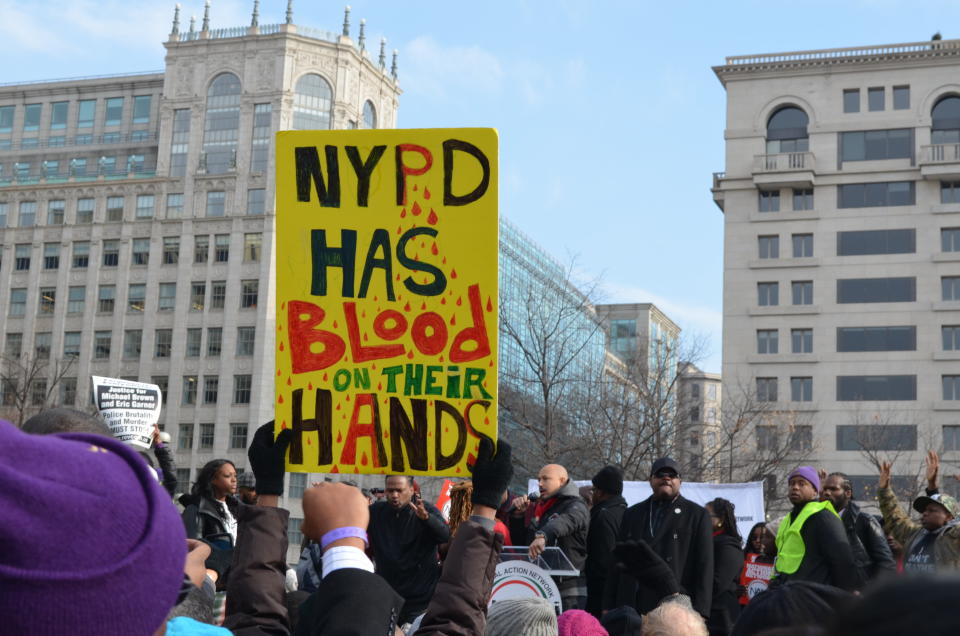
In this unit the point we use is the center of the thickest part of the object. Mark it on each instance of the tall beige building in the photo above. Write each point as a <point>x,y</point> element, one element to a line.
<point>137,221</point>
<point>841,203</point>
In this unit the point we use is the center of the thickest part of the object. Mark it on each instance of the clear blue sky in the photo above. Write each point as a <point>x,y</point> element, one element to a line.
<point>611,121</point>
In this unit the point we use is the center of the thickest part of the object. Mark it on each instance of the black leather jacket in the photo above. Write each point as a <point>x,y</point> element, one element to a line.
<point>202,519</point>
<point>871,553</point>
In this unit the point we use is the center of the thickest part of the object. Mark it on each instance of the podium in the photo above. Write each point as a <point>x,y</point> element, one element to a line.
<point>519,577</point>
<point>552,560</point>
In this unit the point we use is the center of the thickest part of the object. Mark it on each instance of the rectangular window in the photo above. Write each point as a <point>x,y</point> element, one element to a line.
<point>769,201</point>
<point>238,435</point>
<point>901,97</point>
<point>801,437</point>
<point>218,294</point>
<point>872,195</point>
<point>189,389</point>
<point>769,246</point>
<point>876,437</point>
<point>101,344</point>
<point>802,245</point>
<point>951,337</point>
<point>71,344</point>
<point>768,294</point>
<point>38,392</point>
<point>801,340</point>
<point>803,199</point>
<point>163,343</point>
<point>55,209</point>
<point>802,292</point>
<point>242,385</point>
<point>766,389</point>
<point>145,206</point>
<point>950,288</point>
<point>51,256</point>
<point>211,386</point>
<point>875,98</point>
<point>873,145</point>
<point>114,209</point>
<point>859,388</point>
<point>194,338</point>
<point>21,257</point>
<point>950,192</point>
<point>140,251</point>
<point>298,484</point>
<point>78,168</point>
<point>132,339</point>
<point>801,389</point>
<point>171,250</point>
<point>260,146</point>
<point>248,293</point>
<point>136,298</point>
<point>951,387</point>
<point>198,295</point>
<point>247,336</point>
<point>851,100</point>
<point>167,297</point>
<point>185,440</point>
<point>31,117</point>
<point>215,203</point>
<point>767,341</point>
<point>174,206</point>
<point>59,112</point>
<point>256,201</point>
<point>50,168</point>
<point>179,146</point>
<point>113,114</point>
<point>28,213</point>
<point>86,110</point>
<point>76,299</point>
<point>48,300</point>
<point>876,339</point>
<point>162,382</point>
<point>42,343</point>
<point>863,242</point>
<point>252,246</point>
<point>18,302</point>
<point>141,109</point>
<point>214,341</point>
<point>68,391</point>
<point>294,533</point>
<point>85,210</point>
<point>206,436</point>
<point>4,207</point>
<point>6,118</point>
<point>107,166</point>
<point>13,348</point>
<point>951,437</point>
<point>111,253</point>
<point>877,290</point>
<point>201,248</point>
<point>950,239</point>
<point>106,296</point>
<point>221,248</point>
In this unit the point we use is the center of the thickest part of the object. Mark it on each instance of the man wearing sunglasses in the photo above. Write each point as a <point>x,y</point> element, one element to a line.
<point>679,531</point>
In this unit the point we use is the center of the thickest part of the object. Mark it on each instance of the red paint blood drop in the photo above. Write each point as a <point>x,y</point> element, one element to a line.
<point>434,250</point>
<point>363,314</point>
<point>453,273</point>
<point>486,420</point>
<point>281,346</point>
<point>283,424</point>
<point>289,382</point>
<point>363,459</point>
<point>280,400</point>
<point>366,337</point>
<point>356,470</point>
<point>423,307</point>
<point>416,257</point>
<point>415,210</point>
<point>441,358</point>
<point>471,459</point>
<point>334,324</point>
<point>373,366</point>
<point>310,386</point>
<point>375,300</point>
<point>432,218</point>
<point>489,304</point>
<point>348,397</point>
<point>386,434</point>
<point>403,213</point>
<point>422,245</point>
<point>426,193</point>
<point>453,319</point>
<point>279,328</point>
<point>459,301</point>
<point>491,363</point>
<point>309,441</point>
<point>458,470</point>
<point>414,187</point>
<point>444,260</point>
<point>399,229</point>
<point>283,305</point>
<point>410,354</point>
<point>443,301</point>
<point>335,469</point>
<point>379,386</point>
<point>406,307</point>
<point>278,373</point>
<point>338,407</point>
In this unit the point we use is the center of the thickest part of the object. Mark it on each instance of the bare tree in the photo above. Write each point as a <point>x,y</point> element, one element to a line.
<point>897,437</point>
<point>29,384</point>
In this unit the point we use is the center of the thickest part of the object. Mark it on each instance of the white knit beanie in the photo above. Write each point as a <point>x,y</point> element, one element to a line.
<point>522,617</point>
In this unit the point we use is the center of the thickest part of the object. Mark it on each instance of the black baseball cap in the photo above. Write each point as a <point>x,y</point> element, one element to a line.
<point>664,463</point>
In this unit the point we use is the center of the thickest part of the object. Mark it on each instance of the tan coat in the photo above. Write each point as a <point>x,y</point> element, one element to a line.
<point>946,547</point>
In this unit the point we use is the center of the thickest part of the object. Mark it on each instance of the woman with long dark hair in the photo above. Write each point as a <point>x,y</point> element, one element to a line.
<point>727,564</point>
<point>210,510</point>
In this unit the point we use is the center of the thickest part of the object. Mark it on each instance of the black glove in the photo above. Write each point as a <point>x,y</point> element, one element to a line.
<point>219,561</point>
<point>638,559</point>
<point>268,458</point>
<point>491,474</point>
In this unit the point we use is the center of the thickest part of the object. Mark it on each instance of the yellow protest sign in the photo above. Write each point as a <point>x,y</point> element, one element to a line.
<point>387,244</point>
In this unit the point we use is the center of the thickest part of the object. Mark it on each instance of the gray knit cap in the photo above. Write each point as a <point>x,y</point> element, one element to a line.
<point>522,617</point>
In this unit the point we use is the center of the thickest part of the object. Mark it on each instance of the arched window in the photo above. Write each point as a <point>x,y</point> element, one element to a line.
<point>221,125</point>
<point>369,115</point>
<point>312,101</point>
<point>787,131</point>
<point>946,121</point>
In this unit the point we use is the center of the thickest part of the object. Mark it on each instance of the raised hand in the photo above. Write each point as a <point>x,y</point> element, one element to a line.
<point>884,481</point>
<point>933,470</point>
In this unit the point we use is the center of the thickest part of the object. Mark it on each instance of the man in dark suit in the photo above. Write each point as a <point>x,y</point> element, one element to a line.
<point>679,531</point>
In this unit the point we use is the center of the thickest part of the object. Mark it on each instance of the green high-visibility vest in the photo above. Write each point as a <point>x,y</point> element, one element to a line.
<point>790,548</point>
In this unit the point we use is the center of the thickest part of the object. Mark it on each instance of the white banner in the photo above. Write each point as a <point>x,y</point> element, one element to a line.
<point>130,409</point>
<point>746,497</point>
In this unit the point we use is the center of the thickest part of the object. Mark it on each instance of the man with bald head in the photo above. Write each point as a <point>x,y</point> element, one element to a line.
<point>558,517</point>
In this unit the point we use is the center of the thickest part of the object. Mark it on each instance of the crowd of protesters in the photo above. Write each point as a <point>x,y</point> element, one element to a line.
<point>93,544</point>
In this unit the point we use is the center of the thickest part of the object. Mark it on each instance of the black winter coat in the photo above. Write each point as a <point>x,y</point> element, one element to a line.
<point>202,518</point>
<point>684,540</point>
<point>827,557</point>
<point>727,565</point>
<point>564,524</point>
<point>605,518</point>
<point>871,552</point>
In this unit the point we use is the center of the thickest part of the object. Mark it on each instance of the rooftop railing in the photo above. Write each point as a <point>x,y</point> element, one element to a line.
<point>266,29</point>
<point>930,47</point>
<point>81,78</point>
<point>135,137</point>
<point>137,171</point>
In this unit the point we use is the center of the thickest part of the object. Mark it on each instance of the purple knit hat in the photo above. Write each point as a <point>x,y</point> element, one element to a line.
<point>579,623</point>
<point>807,472</point>
<point>91,543</point>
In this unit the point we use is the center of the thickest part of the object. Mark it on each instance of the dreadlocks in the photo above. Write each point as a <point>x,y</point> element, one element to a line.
<point>460,504</point>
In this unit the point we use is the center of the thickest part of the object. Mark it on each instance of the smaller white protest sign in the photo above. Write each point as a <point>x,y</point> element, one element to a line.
<point>519,579</point>
<point>130,409</point>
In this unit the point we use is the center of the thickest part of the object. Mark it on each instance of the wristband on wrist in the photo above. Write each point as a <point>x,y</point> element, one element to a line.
<point>346,532</point>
